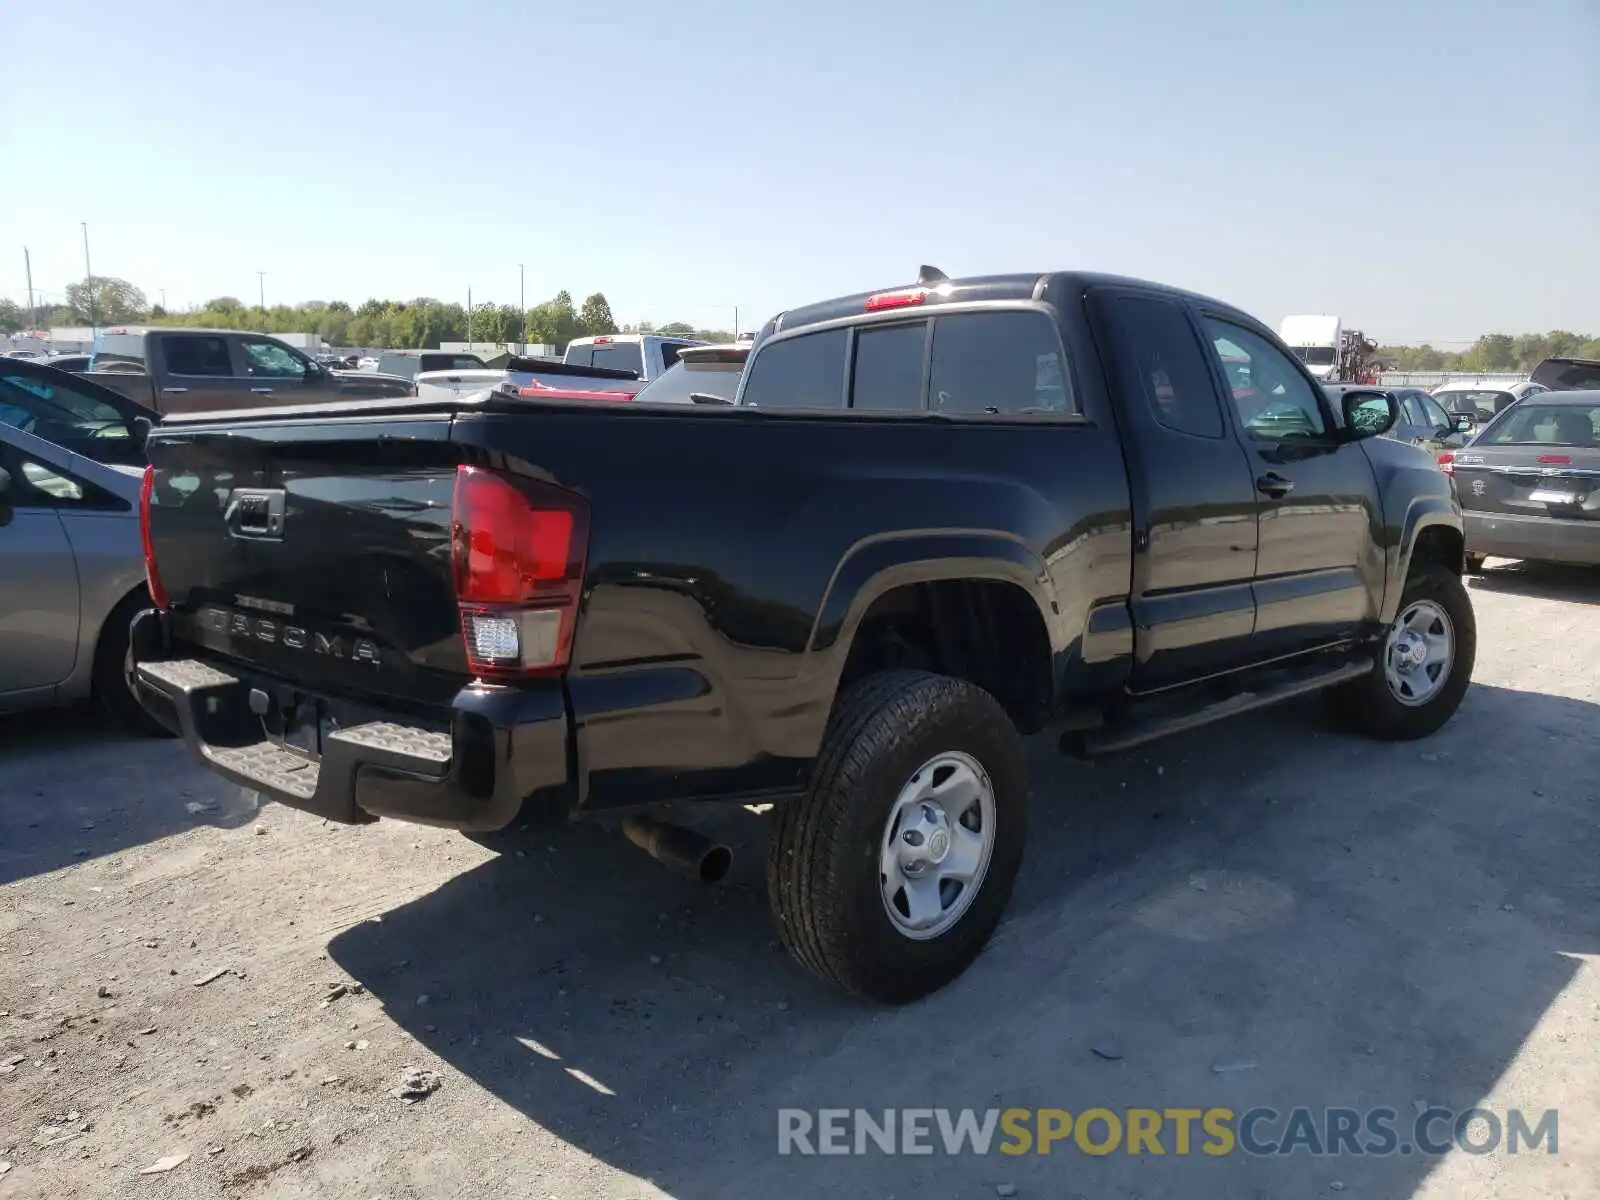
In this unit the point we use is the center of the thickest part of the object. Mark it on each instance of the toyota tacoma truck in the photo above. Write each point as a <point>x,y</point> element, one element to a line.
<point>936,518</point>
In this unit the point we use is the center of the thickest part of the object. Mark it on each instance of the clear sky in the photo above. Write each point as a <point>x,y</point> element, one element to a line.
<point>1426,169</point>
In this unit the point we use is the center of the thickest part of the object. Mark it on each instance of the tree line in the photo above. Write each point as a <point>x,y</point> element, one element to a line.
<point>391,324</point>
<point>1495,352</point>
<point>424,322</point>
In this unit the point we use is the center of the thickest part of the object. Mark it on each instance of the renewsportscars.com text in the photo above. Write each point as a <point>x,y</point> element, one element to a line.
<point>1161,1131</point>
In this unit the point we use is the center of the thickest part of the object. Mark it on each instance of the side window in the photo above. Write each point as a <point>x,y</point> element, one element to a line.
<point>1273,399</point>
<point>1437,418</point>
<point>1163,360</point>
<point>801,372</point>
<point>1001,363</point>
<point>57,412</point>
<point>36,484</point>
<point>268,360</point>
<point>197,354</point>
<point>888,375</point>
<point>1411,412</point>
<point>669,353</point>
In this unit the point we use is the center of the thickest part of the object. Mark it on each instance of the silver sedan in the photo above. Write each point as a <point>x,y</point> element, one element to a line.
<point>71,577</point>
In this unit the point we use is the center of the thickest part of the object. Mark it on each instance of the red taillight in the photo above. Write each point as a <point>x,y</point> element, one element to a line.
<point>601,341</point>
<point>904,298</point>
<point>1555,460</point>
<point>1447,463</point>
<point>152,577</point>
<point>517,549</point>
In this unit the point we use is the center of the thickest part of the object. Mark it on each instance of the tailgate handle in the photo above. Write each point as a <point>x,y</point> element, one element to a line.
<point>255,512</point>
<point>261,391</point>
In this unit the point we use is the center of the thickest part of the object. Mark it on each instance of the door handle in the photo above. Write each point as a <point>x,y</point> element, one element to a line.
<point>166,391</point>
<point>1274,485</point>
<point>261,391</point>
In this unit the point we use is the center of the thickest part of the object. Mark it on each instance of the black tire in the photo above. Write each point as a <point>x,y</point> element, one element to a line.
<point>823,876</point>
<point>1473,564</point>
<point>1367,705</point>
<point>112,689</point>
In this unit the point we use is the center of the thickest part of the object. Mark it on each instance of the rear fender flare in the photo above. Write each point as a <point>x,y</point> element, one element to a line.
<point>876,565</point>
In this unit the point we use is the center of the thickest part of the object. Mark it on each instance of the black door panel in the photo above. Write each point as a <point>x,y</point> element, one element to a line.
<point>1319,570</point>
<point>1193,492</point>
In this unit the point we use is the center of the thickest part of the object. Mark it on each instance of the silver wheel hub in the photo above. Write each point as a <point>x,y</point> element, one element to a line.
<point>937,844</point>
<point>1419,653</point>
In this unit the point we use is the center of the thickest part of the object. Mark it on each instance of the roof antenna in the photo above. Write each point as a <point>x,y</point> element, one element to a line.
<point>928,276</point>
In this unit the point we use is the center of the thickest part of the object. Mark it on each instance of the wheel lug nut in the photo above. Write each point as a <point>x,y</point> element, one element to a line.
<point>912,837</point>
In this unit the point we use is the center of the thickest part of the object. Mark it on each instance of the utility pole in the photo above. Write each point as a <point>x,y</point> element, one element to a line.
<point>522,304</point>
<point>261,289</point>
<point>27,266</point>
<point>163,299</point>
<point>88,278</point>
<point>469,318</point>
<point>736,322</point>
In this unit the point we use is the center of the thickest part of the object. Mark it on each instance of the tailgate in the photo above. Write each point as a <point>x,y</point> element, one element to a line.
<point>315,549</point>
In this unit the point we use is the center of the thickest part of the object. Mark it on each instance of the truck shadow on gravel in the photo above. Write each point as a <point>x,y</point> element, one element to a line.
<point>75,787</point>
<point>1263,913</point>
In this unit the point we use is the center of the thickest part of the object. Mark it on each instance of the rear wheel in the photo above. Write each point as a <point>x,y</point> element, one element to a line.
<point>113,684</point>
<point>1424,663</point>
<point>889,876</point>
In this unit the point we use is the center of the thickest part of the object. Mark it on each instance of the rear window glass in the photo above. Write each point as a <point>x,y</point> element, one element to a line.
<point>124,348</point>
<point>888,375</point>
<point>613,356</point>
<point>197,354</point>
<point>682,378</point>
<point>1002,364</point>
<point>450,362</point>
<point>1163,361</point>
<point>800,372</point>
<point>1546,424</point>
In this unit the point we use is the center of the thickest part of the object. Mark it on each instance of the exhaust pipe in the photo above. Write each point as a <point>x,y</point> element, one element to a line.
<point>685,851</point>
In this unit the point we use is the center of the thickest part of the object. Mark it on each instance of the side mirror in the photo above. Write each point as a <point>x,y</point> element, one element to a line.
<point>708,398</point>
<point>1368,414</point>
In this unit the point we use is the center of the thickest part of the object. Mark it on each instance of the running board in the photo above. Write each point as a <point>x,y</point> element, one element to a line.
<point>1136,732</point>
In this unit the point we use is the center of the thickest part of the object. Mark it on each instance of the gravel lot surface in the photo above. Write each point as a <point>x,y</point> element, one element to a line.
<point>1264,912</point>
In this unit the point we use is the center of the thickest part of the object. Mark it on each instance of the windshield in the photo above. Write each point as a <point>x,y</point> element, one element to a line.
<point>1315,356</point>
<point>1481,404</point>
<point>1546,425</point>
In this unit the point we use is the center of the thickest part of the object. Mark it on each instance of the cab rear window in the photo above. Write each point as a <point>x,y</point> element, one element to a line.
<point>1546,424</point>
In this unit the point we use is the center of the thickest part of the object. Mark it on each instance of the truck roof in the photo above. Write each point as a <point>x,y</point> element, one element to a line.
<point>1050,285</point>
<point>632,337</point>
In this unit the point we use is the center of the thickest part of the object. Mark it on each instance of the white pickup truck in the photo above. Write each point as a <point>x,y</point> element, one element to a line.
<point>612,362</point>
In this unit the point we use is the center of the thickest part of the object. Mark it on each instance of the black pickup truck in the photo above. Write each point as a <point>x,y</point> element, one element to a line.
<point>937,517</point>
